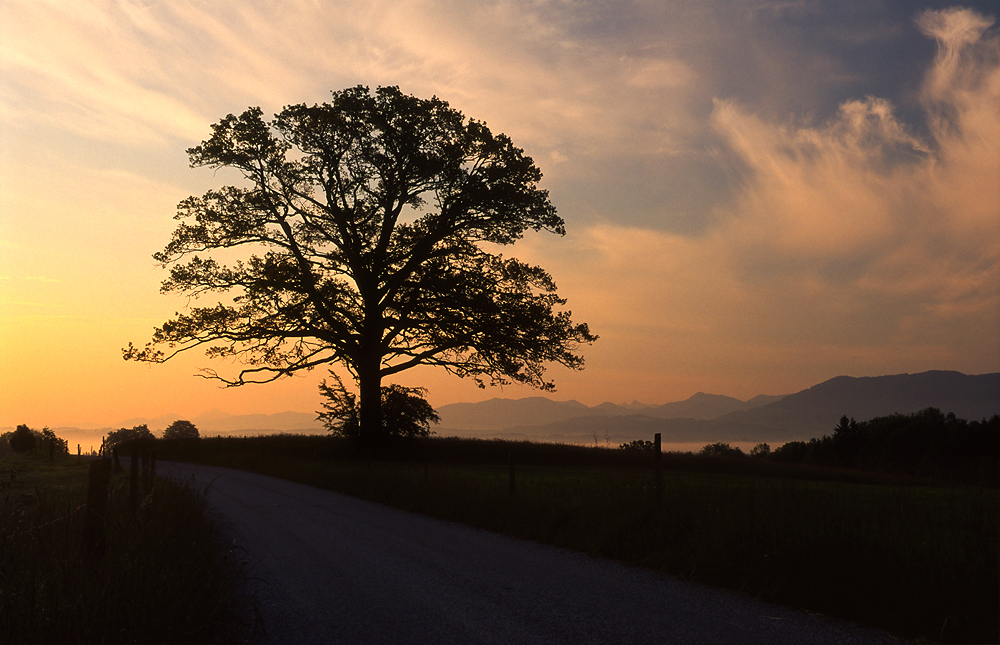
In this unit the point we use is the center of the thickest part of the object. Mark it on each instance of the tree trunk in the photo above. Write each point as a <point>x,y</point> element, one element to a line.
<point>370,363</point>
<point>370,385</point>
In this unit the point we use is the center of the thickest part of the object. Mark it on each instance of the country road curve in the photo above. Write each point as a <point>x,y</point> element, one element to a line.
<point>328,568</point>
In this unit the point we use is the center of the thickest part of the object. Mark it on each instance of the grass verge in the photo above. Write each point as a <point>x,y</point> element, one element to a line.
<point>165,577</point>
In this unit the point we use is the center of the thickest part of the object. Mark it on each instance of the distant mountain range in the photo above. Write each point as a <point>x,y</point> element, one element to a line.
<point>702,418</point>
<point>708,418</point>
<point>497,414</point>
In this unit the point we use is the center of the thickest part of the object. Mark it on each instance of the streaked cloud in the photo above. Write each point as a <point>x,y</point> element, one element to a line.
<point>759,195</point>
<point>852,232</point>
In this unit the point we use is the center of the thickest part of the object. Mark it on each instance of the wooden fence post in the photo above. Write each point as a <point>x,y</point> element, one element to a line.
<point>97,506</point>
<point>656,467</point>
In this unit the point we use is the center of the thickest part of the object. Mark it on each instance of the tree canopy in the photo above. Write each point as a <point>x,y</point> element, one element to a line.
<point>928,443</point>
<point>22,439</point>
<point>181,429</point>
<point>370,224</point>
<point>123,436</point>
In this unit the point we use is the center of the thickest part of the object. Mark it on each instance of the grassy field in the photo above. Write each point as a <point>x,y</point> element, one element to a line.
<point>918,560</point>
<point>163,578</point>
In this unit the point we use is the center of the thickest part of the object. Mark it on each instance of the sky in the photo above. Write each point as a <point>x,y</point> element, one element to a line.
<point>758,195</point>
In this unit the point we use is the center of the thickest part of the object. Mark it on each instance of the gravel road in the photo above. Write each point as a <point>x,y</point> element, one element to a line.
<point>327,568</point>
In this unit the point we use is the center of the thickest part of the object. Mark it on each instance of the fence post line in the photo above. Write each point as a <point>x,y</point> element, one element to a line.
<point>658,479</point>
<point>99,475</point>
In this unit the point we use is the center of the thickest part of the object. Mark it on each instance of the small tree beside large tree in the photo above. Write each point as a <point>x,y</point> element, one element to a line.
<point>405,412</point>
<point>375,218</point>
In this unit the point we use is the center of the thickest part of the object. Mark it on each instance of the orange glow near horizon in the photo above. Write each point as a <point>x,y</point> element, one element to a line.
<point>742,228</point>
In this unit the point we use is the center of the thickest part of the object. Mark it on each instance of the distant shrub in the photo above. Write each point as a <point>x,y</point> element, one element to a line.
<point>22,439</point>
<point>639,446</point>
<point>181,429</point>
<point>721,449</point>
<point>793,452</point>
<point>119,438</point>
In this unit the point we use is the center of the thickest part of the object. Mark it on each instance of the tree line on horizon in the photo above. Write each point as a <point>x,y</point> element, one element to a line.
<point>928,444</point>
<point>25,439</point>
<point>180,429</point>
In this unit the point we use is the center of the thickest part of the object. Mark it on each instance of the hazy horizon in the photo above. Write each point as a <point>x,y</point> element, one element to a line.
<point>216,414</point>
<point>758,196</point>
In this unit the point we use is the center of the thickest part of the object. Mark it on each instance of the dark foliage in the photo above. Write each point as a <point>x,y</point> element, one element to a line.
<point>22,439</point>
<point>375,216</point>
<point>125,437</point>
<point>721,449</point>
<point>405,412</point>
<point>638,446</point>
<point>926,444</point>
<point>55,444</point>
<point>168,575</point>
<point>181,429</point>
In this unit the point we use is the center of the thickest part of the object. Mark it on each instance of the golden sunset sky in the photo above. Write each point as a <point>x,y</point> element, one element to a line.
<point>758,195</point>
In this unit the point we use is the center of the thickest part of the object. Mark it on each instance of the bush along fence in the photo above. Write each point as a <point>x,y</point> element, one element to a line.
<point>143,460</point>
<point>91,553</point>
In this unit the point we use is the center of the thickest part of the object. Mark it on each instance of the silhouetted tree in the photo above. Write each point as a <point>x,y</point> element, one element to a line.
<point>123,436</point>
<point>22,439</point>
<point>181,429</point>
<point>761,451</point>
<point>793,452</point>
<point>927,444</point>
<point>846,427</point>
<point>720,449</point>
<point>405,412</point>
<point>372,213</point>
<point>56,445</point>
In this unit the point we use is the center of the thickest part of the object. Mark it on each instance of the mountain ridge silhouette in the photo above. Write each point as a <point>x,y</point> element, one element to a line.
<point>803,415</point>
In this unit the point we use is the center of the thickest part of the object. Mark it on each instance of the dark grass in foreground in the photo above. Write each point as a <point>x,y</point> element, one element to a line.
<point>164,578</point>
<point>918,560</point>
